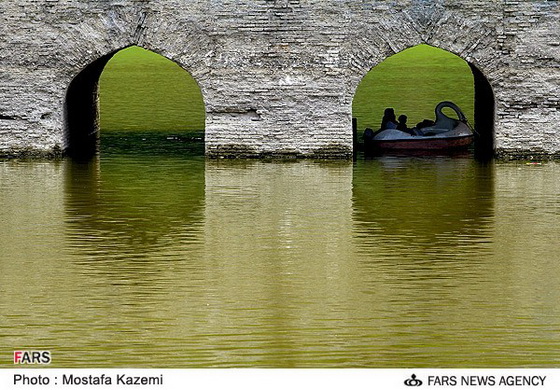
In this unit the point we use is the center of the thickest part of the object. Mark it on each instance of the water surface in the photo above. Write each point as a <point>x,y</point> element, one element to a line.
<point>169,260</point>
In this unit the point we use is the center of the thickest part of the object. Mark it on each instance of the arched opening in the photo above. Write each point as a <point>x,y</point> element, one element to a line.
<point>132,91</point>
<point>415,80</point>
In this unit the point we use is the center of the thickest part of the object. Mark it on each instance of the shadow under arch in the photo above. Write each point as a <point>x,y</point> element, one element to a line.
<point>81,107</point>
<point>483,100</point>
<point>484,114</point>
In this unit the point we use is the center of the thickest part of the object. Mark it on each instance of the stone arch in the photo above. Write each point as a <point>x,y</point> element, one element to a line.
<point>81,107</point>
<point>472,36</point>
<point>484,99</point>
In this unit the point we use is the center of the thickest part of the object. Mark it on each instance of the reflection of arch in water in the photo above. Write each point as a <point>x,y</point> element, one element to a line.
<point>129,207</point>
<point>475,96</point>
<point>132,232</point>
<point>420,204</point>
<point>82,109</point>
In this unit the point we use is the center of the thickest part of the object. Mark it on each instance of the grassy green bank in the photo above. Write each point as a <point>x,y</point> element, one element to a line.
<point>143,91</point>
<point>413,82</point>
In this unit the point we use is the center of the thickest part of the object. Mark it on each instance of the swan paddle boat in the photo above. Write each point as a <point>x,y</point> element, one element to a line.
<point>446,134</point>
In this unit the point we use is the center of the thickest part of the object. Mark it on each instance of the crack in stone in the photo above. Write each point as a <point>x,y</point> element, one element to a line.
<point>140,27</point>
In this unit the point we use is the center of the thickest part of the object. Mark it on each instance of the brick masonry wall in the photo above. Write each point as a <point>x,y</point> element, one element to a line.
<point>278,76</point>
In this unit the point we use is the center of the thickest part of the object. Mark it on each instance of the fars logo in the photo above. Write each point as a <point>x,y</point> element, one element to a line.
<point>32,357</point>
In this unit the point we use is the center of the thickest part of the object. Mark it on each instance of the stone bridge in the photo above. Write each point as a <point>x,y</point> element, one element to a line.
<point>277,76</point>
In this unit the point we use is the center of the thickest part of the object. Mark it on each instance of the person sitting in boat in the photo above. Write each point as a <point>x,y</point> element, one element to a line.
<point>389,120</point>
<point>417,130</point>
<point>402,126</point>
<point>368,135</point>
<point>425,123</point>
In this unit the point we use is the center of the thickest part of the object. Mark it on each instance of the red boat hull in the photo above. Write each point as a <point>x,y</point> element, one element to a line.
<point>449,143</point>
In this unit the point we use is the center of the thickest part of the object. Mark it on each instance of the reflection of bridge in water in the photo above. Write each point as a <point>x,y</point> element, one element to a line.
<point>236,263</point>
<point>274,210</point>
<point>433,207</point>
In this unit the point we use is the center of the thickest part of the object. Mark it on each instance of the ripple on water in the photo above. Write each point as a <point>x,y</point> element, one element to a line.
<point>388,262</point>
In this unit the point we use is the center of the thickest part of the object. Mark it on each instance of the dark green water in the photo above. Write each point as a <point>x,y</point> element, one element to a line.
<point>161,258</point>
